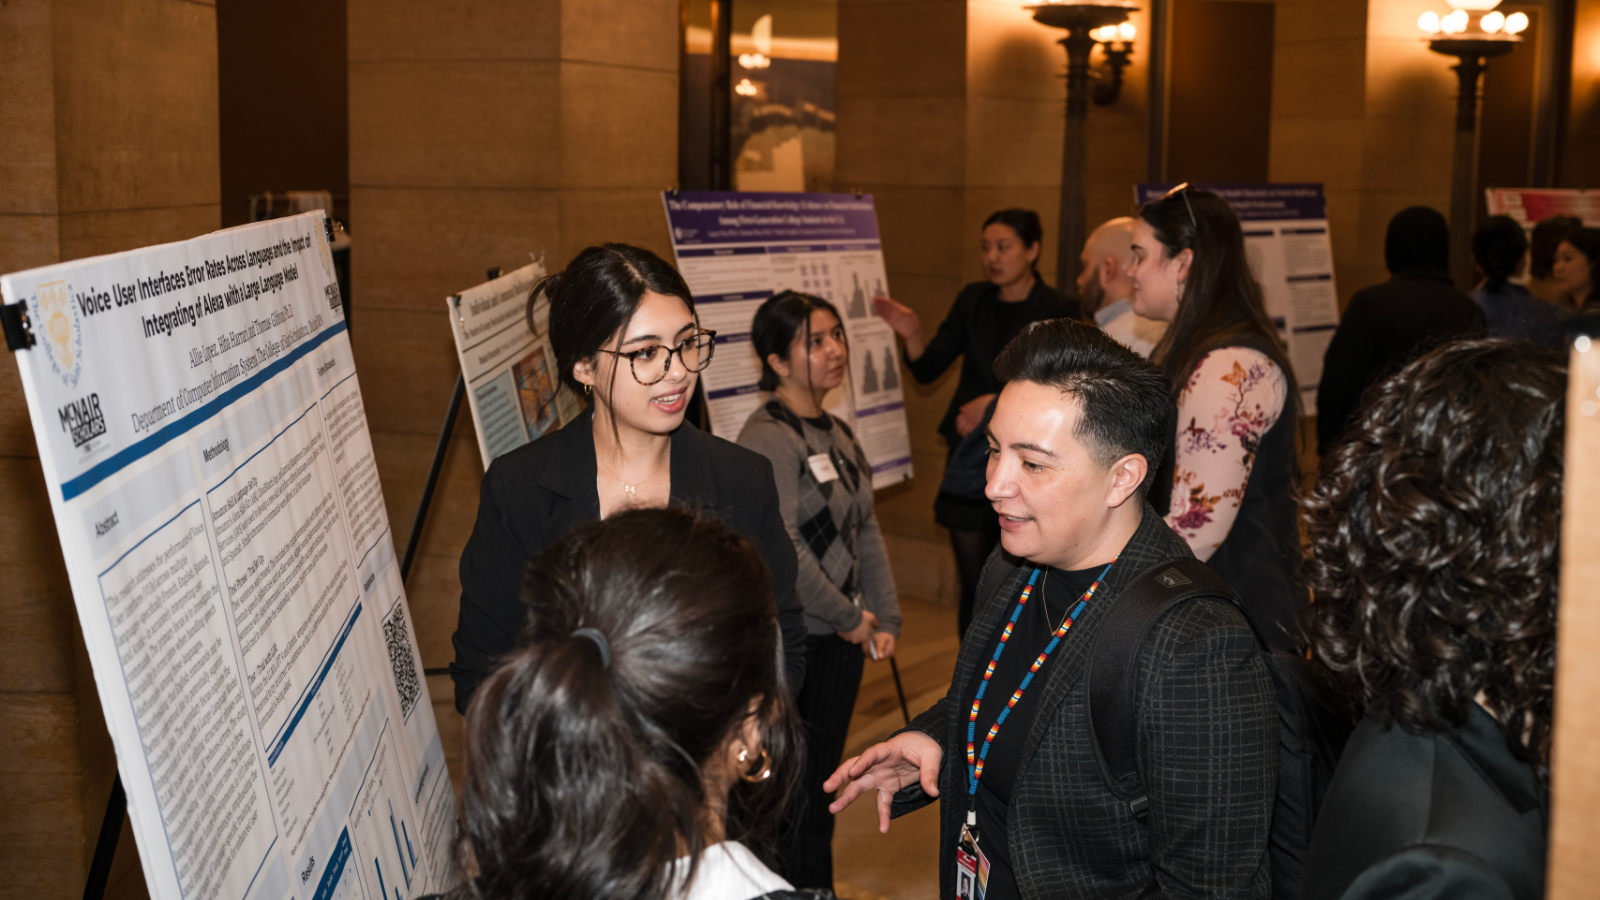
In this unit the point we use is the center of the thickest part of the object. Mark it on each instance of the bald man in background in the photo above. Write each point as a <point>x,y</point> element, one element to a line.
<point>1106,291</point>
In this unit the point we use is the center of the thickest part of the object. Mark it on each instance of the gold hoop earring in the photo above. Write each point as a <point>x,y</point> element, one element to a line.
<point>588,389</point>
<point>764,764</point>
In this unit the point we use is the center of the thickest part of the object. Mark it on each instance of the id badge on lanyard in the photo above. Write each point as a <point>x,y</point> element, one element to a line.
<point>972,867</point>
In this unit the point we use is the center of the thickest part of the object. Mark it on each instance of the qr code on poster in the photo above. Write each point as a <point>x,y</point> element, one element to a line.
<point>398,637</point>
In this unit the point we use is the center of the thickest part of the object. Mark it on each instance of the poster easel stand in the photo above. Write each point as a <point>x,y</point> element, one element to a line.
<point>428,487</point>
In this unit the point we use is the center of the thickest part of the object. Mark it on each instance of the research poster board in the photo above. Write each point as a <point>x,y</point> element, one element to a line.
<point>513,388</point>
<point>1530,205</point>
<point>1286,238</point>
<point>206,451</point>
<point>736,249</point>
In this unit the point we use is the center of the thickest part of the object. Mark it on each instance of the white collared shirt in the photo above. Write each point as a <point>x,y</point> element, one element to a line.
<point>729,871</point>
<point>1129,328</point>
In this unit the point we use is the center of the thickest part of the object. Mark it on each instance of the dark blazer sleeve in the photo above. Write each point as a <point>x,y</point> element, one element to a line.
<point>939,718</point>
<point>1430,873</point>
<point>1345,367</point>
<point>1208,742</point>
<point>935,723</point>
<point>772,539</point>
<point>947,345</point>
<point>492,612</point>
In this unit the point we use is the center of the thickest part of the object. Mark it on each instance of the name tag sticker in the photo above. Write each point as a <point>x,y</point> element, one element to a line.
<point>822,468</point>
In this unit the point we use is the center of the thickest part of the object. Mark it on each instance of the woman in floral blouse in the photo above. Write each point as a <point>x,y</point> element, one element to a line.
<point>1228,481</point>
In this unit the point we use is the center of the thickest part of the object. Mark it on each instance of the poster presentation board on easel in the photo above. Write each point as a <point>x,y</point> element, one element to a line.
<point>206,452</point>
<point>736,249</point>
<point>513,388</point>
<point>1291,255</point>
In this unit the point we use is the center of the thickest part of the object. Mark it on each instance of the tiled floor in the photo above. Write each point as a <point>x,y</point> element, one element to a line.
<point>903,864</point>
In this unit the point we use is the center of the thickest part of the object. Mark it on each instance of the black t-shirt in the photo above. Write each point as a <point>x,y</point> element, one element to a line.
<point>1060,593</point>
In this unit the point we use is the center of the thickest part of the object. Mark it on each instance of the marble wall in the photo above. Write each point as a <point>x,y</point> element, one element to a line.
<point>480,133</point>
<point>110,143</point>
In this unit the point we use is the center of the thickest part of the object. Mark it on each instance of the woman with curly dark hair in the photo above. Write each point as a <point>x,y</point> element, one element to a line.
<point>1435,542</point>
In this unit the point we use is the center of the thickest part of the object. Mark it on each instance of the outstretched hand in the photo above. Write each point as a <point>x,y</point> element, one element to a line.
<point>903,319</point>
<point>888,768</point>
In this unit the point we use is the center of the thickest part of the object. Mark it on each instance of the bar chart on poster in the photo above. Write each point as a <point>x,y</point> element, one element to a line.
<point>205,446</point>
<point>736,249</point>
<point>1286,238</point>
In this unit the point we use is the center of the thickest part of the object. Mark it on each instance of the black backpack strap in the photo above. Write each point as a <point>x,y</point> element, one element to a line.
<point>1113,675</point>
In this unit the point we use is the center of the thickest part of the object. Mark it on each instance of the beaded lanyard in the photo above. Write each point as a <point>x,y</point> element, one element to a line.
<point>975,758</point>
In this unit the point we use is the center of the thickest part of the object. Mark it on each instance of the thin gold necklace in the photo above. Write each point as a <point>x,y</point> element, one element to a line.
<point>631,489</point>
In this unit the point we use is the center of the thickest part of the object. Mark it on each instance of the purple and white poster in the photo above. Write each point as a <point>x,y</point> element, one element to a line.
<point>736,249</point>
<point>1286,238</point>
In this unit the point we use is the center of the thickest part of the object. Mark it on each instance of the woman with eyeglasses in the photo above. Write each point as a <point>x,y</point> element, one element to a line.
<point>845,585</point>
<point>1228,479</point>
<point>624,331</point>
<point>985,316</point>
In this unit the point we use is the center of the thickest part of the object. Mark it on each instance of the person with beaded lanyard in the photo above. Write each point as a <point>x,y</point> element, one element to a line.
<point>1079,428</point>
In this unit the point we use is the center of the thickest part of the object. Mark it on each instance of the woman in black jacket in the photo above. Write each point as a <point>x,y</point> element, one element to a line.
<point>623,328</point>
<point>1435,535</point>
<point>984,318</point>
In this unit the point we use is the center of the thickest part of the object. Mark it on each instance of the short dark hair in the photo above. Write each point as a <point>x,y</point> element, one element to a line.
<point>596,295</point>
<point>1125,402</point>
<point>1435,537</point>
<point>1498,247</point>
<point>584,767</point>
<point>776,323</point>
<point>1548,233</point>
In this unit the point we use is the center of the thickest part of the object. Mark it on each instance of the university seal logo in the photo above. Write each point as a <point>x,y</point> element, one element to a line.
<point>57,322</point>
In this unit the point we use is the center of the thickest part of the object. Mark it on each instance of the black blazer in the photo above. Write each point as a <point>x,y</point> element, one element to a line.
<point>1384,327</point>
<point>1452,814</point>
<point>1207,751</point>
<point>534,495</point>
<point>974,331</point>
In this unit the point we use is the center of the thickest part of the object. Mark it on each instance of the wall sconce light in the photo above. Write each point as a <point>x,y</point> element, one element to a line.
<point>744,88</point>
<point>1452,34</point>
<point>1109,87</point>
<point>754,60</point>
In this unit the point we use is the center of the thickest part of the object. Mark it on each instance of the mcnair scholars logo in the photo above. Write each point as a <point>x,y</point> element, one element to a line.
<point>58,319</point>
<point>83,419</point>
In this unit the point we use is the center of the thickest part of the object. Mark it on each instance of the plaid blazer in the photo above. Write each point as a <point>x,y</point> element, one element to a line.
<point>1207,751</point>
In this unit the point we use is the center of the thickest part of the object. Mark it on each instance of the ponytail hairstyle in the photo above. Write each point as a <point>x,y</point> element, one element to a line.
<point>1221,304</point>
<point>1025,222</point>
<point>777,322</point>
<point>596,296</point>
<point>585,757</point>
<point>1498,248</point>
